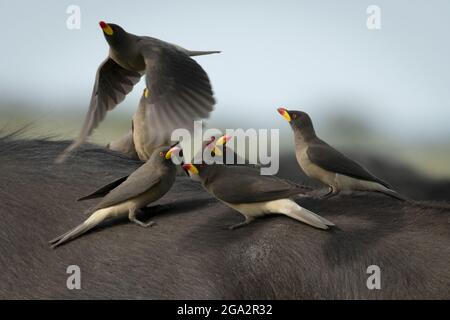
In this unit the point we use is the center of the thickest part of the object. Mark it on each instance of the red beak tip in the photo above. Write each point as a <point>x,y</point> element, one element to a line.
<point>102,24</point>
<point>281,110</point>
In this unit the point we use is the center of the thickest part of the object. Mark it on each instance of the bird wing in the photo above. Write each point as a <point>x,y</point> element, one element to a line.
<point>112,84</point>
<point>137,183</point>
<point>101,192</point>
<point>332,160</point>
<point>241,184</point>
<point>179,90</point>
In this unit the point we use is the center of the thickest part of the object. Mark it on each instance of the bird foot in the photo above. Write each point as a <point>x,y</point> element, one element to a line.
<point>329,194</point>
<point>143,224</point>
<point>238,225</point>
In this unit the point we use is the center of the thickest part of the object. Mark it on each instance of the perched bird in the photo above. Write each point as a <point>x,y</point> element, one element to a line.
<point>324,163</point>
<point>218,149</point>
<point>178,89</point>
<point>243,189</point>
<point>127,195</point>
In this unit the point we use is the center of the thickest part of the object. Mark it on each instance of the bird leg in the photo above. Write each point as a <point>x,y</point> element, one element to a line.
<point>331,193</point>
<point>241,224</point>
<point>132,217</point>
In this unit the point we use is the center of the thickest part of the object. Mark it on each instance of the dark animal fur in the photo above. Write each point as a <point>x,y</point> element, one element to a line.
<point>189,253</point>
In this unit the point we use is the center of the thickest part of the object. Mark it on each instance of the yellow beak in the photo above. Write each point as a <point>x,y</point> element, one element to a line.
<point>284,113</point>
<point>191,168</point>
<point>106,28</point>
<point>223,139</point>
<point>220,142</point>
<point>171,151</point>
<point>217,151</point>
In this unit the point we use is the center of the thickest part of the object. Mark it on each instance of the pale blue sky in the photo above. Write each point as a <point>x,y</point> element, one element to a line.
<point>314,55</point>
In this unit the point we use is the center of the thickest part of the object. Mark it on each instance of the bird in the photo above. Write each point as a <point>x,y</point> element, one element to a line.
<point>322,162</point>
<point>140,142</point>
<point>125,145</point>
<point>243,189</point>
<point>146,138</point>
<point>178,89</point>
<point>126,195</point>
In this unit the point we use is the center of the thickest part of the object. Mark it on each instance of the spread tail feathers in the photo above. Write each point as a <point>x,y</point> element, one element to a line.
<point>301,214</point>
<point>87,225</point>
<point>201,53</point>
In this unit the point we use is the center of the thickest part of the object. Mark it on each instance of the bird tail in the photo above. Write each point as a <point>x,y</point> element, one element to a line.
<point>301,214</point>
<point>96,218</point>
<point>201,53</point>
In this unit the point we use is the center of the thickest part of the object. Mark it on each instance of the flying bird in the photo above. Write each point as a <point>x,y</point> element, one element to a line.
<point>178,89</point>
<point>125,196</point>
<point>243,189</point>
<point>324,163</point>
<point>145,137</point>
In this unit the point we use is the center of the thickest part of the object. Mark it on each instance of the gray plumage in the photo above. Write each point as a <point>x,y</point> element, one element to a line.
<point>145,137</point>
<point>324,163</point>
<point>330,159</point>
<point>253,195</point>
<point>222,180</point>
<point>179,90</point>
<point>126,195</point>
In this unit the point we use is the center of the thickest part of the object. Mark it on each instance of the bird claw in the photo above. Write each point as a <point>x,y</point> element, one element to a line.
<point>149,224</point>
<point>143,224</point>
<point>329,194</point>
<point>238,225</point>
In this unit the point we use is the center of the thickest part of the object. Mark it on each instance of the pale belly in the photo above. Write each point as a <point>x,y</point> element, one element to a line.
<point>148,197</point>
<point>135,203</point>
<point>338,182</point>
<point>144,142</point>
<point>314,171</point>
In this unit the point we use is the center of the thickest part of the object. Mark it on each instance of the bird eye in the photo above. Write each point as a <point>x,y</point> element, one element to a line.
<point>161,154</point>
<point>294,116</point>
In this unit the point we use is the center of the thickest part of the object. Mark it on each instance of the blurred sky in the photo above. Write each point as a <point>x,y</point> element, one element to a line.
<point>317,56</point>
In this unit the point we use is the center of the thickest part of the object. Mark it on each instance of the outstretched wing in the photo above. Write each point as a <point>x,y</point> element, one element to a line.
<point>104,190</point>
<point>253,187</point>
<point>179,90</point>
<point>332,160</point>
<point>112,84</point>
